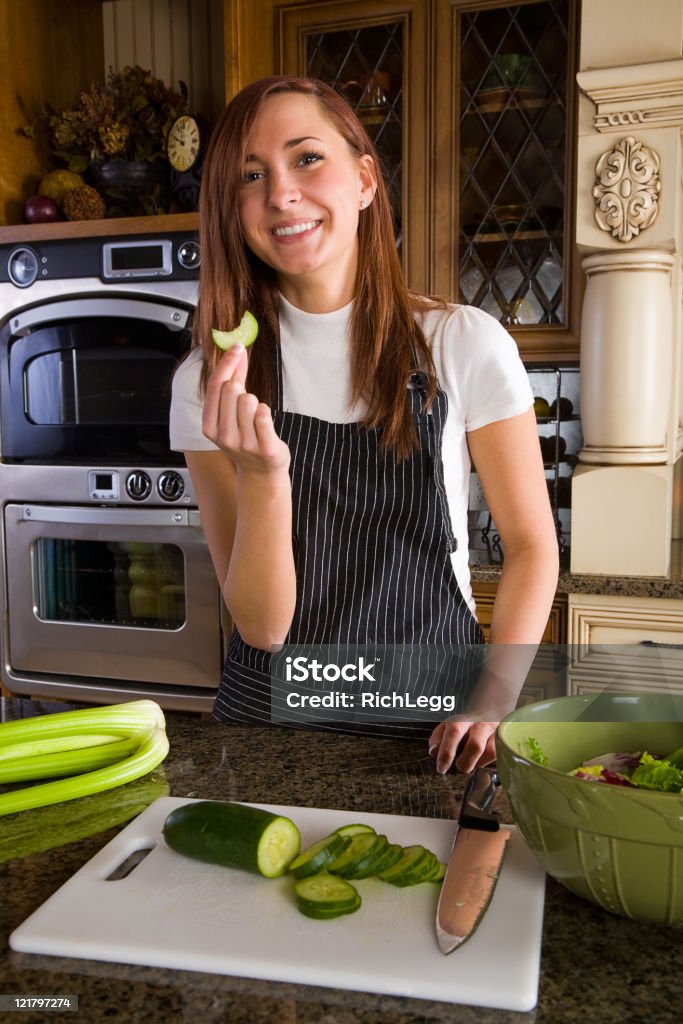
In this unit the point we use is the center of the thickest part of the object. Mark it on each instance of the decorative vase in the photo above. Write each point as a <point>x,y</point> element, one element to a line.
<point>132,187</point>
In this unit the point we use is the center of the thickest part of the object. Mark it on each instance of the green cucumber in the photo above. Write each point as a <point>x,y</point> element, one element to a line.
<point>390,855</point>
<point>233,835</point>
<point>245,334</point>
<point>354,830</point>
<point>416,860</point>
<point>421,871</point>
<point>318,913</point>
<point>364,865</point>
<point>438,874</point>
<point>325,896</point>
<point>314,858</point>
<point>356,851</point>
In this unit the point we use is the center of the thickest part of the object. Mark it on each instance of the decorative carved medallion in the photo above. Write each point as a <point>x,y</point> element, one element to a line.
<point>627,189</point>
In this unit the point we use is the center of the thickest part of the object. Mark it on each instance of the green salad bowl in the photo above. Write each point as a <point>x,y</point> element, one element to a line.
<point>619,847</point>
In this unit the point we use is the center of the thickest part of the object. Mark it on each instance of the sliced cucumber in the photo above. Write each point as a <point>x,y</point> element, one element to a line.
<point>364,865</point>
<point>354,830</point>
<point>421,871</point>
<point>314,858</point>
<point>320,914</point>
<point>233,835</point>
<point>416,861</point>
<point>389,856</point>
<point>245,334</point>
<point>356,851</point>
<point>325,896</point>
<point>438,874</point>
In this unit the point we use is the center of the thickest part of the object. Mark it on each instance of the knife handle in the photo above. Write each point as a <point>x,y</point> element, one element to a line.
<point>479,794</point>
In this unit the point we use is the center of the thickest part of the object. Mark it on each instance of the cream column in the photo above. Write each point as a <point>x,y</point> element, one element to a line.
<point>628,230</point>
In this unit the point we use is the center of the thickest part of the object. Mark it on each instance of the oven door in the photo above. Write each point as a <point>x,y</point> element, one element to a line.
<point>90,379</point>
<point>111,593</point>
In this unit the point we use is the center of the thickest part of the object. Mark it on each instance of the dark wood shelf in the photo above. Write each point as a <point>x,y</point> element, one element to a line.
<point>162,224</point>
<point>512,104</point>
<point>514,236</point>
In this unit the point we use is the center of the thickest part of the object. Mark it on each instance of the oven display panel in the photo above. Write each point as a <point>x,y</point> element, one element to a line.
<point>137,259</point>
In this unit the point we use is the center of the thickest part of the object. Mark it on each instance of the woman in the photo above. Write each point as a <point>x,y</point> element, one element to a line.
<point>332,467</point>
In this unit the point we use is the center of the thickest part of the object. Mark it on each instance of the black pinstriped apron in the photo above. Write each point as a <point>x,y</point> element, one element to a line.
<point>372,540</point>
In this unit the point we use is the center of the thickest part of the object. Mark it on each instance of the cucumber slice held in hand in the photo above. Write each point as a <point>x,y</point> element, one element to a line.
<point>245,334</point>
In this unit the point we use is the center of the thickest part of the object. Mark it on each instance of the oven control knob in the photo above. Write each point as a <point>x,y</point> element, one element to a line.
<point>22,266</point>
<point>170,485</point>
<point>189,255</point>
<point>138,485</point>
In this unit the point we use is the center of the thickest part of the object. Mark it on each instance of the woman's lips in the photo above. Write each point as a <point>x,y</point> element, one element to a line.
<point>291,232</point>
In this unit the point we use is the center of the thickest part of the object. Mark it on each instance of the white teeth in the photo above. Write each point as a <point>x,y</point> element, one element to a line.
<point>295,229</point>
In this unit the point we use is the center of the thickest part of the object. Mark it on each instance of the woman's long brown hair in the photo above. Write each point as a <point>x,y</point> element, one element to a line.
<point>386,340</point>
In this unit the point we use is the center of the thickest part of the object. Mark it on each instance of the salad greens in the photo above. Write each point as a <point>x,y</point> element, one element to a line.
<point>537,754</point>
<point>641,770</point>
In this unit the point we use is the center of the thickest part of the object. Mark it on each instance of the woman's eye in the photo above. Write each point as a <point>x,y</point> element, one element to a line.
<point>310,158</point>
<point>250,176</point>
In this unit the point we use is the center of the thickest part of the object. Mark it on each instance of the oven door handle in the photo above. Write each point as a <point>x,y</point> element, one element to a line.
<point>173,316</point>
<point>111,516</point>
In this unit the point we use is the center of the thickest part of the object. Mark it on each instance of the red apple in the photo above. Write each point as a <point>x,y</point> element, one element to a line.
<point>40,209</point>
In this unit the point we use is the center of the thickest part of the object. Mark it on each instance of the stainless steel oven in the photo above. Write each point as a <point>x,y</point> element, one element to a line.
<point>108,590</point>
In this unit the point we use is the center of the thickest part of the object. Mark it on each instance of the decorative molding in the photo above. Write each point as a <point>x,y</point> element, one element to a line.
<point>644,94</point>
<point>621,119</point>
<point>627,189</point>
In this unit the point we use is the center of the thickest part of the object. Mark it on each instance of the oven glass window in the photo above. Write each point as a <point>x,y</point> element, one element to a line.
<point>109,583</point>
<point>114,371</point>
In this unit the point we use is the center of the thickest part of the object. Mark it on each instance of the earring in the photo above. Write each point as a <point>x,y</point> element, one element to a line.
<point>363,203</point>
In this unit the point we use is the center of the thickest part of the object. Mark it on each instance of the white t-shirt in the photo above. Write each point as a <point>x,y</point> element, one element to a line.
<point>478,367</point>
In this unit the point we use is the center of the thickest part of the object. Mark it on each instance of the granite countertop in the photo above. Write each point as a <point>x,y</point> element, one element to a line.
<point>594,966</point>
<point>486,566</point>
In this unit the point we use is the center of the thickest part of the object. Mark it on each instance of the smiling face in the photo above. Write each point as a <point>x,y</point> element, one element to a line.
<point>300,197</point>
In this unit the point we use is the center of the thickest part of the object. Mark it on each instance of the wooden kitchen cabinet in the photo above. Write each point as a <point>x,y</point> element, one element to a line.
<point>474,119</point>
<point>548,675</point>
<point>556,630</point>
<point>48,51</point>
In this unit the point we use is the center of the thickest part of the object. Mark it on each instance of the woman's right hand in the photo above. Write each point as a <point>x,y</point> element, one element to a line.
<point>237,422</point>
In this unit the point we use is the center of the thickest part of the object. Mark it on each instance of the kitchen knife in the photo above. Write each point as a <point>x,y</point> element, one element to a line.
<point>474,864</point>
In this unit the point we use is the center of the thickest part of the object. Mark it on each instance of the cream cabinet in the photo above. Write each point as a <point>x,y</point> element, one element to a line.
<point>624,644</point>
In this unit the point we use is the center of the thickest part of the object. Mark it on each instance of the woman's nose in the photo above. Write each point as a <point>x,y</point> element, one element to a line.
<point>282,191</point>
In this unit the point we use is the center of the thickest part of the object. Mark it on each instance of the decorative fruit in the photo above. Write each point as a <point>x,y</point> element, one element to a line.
<point>83,203</point>
<point>245,334</point>
<point>564,406</point>
<point>56,184</point>
<point>40,209</point>
<point>541,408</point>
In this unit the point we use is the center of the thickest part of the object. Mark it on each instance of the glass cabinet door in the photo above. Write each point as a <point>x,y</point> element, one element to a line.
<point>366,51</point>
<point>509,246</point>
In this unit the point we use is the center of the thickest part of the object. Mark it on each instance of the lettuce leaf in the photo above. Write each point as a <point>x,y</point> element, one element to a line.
<point>536,754</point>
<point>656,773</point>
<point>676,759</point>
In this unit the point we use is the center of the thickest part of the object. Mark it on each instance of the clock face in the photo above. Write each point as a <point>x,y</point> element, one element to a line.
<point>183,143</point>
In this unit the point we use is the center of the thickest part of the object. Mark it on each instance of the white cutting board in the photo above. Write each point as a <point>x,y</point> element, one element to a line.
<point>174,912</point>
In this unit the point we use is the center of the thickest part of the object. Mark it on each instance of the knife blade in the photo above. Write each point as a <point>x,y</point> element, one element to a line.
<point>474,864</point>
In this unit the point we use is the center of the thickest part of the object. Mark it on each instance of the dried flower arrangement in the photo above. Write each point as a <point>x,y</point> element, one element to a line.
<point>124,121</point>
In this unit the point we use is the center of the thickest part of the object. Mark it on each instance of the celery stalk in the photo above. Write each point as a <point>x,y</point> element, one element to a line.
<point>151,752</point>
<point>137,716</point>
<point>66,762</point>
<point>53,745</point>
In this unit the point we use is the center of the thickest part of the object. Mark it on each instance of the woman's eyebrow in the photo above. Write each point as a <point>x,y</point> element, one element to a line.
<point>290,144</point>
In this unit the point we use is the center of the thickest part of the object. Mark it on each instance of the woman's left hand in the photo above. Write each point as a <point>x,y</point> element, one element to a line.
<point>469,744</point>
